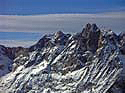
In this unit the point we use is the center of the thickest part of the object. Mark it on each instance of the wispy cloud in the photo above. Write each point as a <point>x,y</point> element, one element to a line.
<point>67,22</point>
<point>16,43</point>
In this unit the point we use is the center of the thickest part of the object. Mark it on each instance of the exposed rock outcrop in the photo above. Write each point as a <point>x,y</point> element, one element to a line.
<point>122,42</point>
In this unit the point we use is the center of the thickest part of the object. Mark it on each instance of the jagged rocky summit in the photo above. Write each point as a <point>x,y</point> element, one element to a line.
<point>91,61</point>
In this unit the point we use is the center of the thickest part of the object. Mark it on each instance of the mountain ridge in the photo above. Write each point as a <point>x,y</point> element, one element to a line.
<point>87,62</point>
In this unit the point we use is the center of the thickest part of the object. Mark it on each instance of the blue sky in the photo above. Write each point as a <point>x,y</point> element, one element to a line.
<point>66,15</point>
<point>19,36</point>
<point>29,7</point>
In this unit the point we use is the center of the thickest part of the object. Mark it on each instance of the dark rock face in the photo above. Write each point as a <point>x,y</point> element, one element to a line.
<point>58,35</point>
<point>92,34</point>
<point>5,62</point>
<point>14,52</point>
<point>41,43</point>
<point>122,42</point>
<point>61,38</point>
<point>50,40</point>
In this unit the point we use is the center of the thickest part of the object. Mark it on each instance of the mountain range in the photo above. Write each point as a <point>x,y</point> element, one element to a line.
<point>92,61</point>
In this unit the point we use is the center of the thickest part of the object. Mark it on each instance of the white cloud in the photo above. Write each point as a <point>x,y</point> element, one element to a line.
<point>67,22</point>
<point>16,43</point>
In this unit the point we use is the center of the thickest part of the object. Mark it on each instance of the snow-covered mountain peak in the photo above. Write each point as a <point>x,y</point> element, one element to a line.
<point>87,62</point>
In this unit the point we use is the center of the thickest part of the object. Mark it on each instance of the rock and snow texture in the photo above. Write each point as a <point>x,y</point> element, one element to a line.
<point>5,62</point>
<point>87,62</point>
